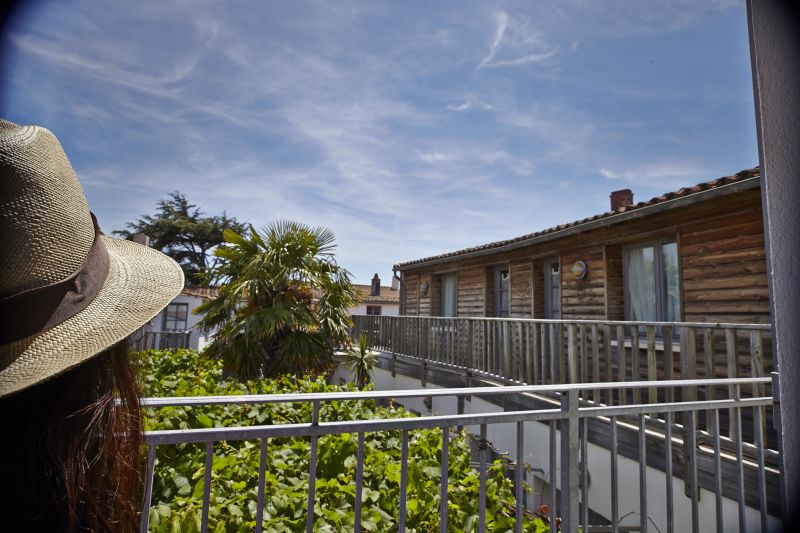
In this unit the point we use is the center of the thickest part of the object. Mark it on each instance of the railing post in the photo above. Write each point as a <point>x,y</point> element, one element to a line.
<point>570,449</point>
<point>572,356</point>
<point>688,359</point>
<point>652,370</point>
<point>419,335</point>
<point>470,356</point>
<point>757,371</point>
<point>596,362</point>
<point>424,352</point>
<point>776,423</point>
<point>508,371</point>
<point>312,470</point>
<point>733,370</point>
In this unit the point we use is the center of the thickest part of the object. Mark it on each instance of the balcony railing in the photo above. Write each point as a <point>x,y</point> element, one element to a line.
<point>144,339</point>
<point>545,352</point>
<point>567,415</point>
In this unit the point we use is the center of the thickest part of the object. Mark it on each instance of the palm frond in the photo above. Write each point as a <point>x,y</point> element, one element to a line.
<point>284,300</point>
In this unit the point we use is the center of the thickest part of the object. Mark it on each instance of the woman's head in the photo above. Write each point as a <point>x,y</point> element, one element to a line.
<point>67,292</point>
<point>69,297</point>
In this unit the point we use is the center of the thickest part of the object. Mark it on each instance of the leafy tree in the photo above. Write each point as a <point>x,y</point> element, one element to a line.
<point>283,305</point>
<point>361,360</point>
<point>180,230</point>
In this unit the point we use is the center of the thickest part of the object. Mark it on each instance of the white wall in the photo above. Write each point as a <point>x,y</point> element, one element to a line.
<point>537,454</point>
<point>386,309</point>
<point>198,339</point>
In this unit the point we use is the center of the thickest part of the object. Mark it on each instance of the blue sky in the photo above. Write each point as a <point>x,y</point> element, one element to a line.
<point>408,128</point>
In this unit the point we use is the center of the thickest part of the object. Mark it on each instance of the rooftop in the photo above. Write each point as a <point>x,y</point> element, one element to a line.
<point>388,295</point>
<point>745,178</point>
<point>206,293</point>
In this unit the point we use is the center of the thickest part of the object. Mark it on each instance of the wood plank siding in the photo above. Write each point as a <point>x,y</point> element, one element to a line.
<point>521,287</point>
<point>721,255</point>
<point>583,298</point>
<point>471,287</point>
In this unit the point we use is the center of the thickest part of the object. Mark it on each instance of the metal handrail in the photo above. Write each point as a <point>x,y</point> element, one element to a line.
<point>175,401</point>
<point>204,435</point>
<point>643,323</point>
<point>569,418</point>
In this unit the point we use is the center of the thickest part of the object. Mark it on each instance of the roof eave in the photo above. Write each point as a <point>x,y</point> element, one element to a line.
<point>674,203</point>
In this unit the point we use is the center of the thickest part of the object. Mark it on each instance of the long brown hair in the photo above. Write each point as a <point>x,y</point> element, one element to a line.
<point>71,450</point>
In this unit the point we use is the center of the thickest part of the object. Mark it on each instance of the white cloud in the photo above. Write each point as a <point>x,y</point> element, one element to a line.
<point>469,102</point>
<point>661,175</point>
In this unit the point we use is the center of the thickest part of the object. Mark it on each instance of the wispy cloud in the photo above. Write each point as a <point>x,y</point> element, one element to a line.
<point>662,175</point>
<point>469,102</point>
<point>515,43</point>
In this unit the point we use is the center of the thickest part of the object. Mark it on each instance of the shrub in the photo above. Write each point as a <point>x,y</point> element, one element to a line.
<point>179,471</point>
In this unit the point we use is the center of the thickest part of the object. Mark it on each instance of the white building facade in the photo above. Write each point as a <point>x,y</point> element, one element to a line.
<point>375,299</point>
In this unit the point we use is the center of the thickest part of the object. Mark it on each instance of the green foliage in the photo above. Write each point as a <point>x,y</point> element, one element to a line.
<point>181,231</point>
<point>284,304</point>
<point>178,485</point>
<point>361,360</point>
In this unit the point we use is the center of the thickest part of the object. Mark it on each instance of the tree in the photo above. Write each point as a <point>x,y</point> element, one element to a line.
<point>283,305</point>
<point>180,230</point>
<point>361,360</point>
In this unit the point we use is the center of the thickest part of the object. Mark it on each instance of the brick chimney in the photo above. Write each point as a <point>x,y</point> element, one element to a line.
<point>622,198</point>
<point>376,286</point>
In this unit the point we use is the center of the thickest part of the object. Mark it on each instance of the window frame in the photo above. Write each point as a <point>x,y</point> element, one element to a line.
<point>373,308</point>
<point>185,321</point>
<point>548,286</point>
<point>659,275</point>
<point>498,272</point>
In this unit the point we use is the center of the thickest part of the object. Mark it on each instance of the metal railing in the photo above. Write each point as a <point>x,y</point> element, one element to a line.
<point>537,351</point>
<point>143,339</point>
<point>567,414</point>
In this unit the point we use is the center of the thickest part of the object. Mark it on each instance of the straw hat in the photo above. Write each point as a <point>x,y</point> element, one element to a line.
<point>67,292</point>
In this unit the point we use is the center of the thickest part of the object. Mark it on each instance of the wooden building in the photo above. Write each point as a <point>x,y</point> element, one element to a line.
<point>693,255</point>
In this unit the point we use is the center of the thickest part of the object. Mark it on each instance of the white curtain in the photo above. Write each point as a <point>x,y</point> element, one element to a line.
<point>669,260</point>
<point>641,284</point>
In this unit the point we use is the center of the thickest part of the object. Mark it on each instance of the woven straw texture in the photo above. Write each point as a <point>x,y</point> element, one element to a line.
<point>42,208</point>
<point>46,234</point>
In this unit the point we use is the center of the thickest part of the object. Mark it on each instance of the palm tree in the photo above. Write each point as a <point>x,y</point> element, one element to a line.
<point>283,303</point>
<point>361,361</point>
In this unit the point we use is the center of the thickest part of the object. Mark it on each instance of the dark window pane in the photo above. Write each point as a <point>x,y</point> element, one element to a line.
<point>449,295</point>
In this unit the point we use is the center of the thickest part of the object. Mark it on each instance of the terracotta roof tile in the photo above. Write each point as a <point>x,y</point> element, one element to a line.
<point>387,295</point>
<point>206,293</point>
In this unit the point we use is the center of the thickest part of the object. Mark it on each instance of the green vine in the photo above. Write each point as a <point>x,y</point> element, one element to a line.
<point>179,471</point>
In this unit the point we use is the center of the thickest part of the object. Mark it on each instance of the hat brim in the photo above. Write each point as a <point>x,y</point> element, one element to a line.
<point>141,281</point>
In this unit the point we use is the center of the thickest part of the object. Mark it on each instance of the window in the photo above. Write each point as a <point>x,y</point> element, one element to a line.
<point>552,289</point>
<point>502,296</point>
<point>651,282</point>
<point>175,316</point>
<point>373,309</point>
<point>449,287</point>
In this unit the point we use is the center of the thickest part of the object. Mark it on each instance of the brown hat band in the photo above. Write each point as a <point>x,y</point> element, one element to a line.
<point>39,309</point>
